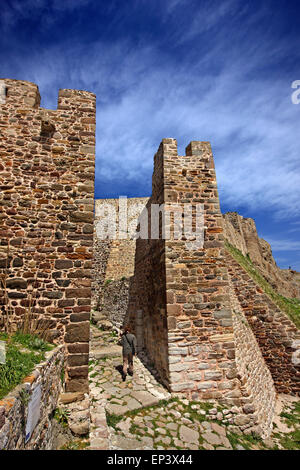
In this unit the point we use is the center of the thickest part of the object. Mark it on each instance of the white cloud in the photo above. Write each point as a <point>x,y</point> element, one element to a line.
<point>251,124</point>
<point>208,15</point>
<point>143,96</point>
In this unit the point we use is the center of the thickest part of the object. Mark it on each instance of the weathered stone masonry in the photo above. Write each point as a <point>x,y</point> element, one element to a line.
<point>194,311</point>
<point>277,336</point>
<point>46,214</point>
<point>182,303</point>
<point>241,232</point>
<point>14,410</point>
<point>205,326</point>
<point>191,318</point>
<point>113,266</point>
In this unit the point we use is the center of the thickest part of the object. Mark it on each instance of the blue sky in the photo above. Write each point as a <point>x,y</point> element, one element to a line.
<point>188,69</point>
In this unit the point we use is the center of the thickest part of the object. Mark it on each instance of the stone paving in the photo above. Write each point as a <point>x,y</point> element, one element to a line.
<point>140,414</point>
<point>108,393</point>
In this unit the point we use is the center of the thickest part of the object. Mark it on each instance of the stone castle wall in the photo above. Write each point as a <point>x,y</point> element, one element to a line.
<point>122,248</point>
<point>101,255</point>
<point>46,216</point>
<point>277,336</point>
<point>187,305</point>
<point>242,234</point>
<point>148,295</point>
<point>182,303</point>
<point>258,390</point>
<point>14,408</point>
<point>113,266</point>
<point>198,308</point>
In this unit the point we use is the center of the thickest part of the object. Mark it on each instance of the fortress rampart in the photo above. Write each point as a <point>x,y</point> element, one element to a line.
<point>201,322</point>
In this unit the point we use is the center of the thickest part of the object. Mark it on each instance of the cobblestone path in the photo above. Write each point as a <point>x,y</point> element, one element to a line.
<point>139,414</point>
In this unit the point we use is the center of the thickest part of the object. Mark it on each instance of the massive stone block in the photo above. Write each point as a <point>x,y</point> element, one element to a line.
<point>46,204</point>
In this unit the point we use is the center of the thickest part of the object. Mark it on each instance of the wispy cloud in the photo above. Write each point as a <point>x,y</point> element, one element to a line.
<point>208,15</point>
<point>217,90</point>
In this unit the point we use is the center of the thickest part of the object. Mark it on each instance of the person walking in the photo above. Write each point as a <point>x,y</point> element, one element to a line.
<point>129,345</point>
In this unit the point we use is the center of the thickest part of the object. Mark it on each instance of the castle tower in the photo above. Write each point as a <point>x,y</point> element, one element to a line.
<point>188,332</point>
<point>46,217</point>
<point>182,304</point>
<point>200,338</point>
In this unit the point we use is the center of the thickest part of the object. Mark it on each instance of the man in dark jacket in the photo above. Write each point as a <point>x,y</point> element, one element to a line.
<point>128,341</point>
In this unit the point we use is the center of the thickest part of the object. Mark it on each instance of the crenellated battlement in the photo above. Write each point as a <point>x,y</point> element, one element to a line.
<point>21,93</point>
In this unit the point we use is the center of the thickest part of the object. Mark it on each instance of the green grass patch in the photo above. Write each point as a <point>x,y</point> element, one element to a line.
<point>195,416</point>
<point>18,363</point>
<point>3,336</point>
<point>113,334</point>
<point>290,306</point>
<point>75,445</point>
<point>247,442</point>
<point>94,374</point>
<point>291,441</point>
<point>146,409</point>
<point>205,406</point>
<point>291,415</point>
<point>103,359</point>
<point>289,418</point>
<point>31,342</point>
<point>61,415</point>
<point>234,439</point>
<point>135,429</point>
<point>112,419</point>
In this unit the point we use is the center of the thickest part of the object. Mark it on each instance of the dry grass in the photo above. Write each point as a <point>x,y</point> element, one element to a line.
<point>29,323</point>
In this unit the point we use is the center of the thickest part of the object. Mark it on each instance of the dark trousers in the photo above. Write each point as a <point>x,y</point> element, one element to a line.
<point>127,363</point>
